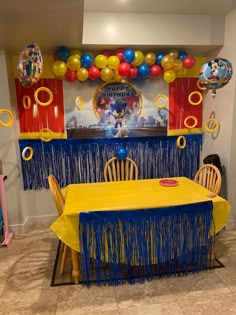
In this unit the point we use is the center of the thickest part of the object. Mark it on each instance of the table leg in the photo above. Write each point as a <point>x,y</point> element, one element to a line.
<point>75,263</point>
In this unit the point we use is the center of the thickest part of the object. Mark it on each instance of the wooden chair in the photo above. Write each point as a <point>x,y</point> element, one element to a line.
<point>119,170</point>
<point>209,176</point>
<point>59,202</point>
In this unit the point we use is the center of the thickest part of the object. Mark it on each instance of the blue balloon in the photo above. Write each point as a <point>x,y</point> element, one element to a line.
<point>129,55</point>
<point>63,53</point>
<point>121,154</point>
<point>143,70</point>
<point>159,57</point>
<point>86,60</point>
<point>182,54</point>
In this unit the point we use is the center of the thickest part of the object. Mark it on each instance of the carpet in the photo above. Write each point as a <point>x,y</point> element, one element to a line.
<point>67,278</point>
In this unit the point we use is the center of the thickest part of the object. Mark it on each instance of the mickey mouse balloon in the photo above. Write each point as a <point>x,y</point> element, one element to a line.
<point>215,74</point>
<point>30,65</point>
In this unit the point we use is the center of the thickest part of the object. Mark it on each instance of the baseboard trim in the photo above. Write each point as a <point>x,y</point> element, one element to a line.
<point>30,221</point>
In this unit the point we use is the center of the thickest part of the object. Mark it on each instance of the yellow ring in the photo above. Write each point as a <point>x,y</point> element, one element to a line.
<point>190,98</point>
<point>48,132</point>
<point>28,105</point>
<point>194,123</point>
<point>200,86</point>
<point>49,93</point>
<point>183,145</point>
<point>217,125</point>
<point>11,119</point>
<point>158,105</point>
<point>31,152</point>
<point>81,103</point>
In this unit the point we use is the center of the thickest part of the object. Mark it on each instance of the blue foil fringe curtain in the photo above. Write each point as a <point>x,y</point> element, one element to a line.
<point>131,246</point>
<point>82,161</point>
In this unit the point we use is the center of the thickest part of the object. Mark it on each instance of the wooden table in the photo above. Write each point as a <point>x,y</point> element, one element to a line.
<point>129,195</point>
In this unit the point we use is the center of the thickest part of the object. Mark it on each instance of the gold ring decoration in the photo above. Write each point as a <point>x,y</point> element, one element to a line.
<point>194,122</point>
<point>11,119</point>
<point>79,103</point>
<point>200,87</point>
<point>156,101</point>
<point>215,122</point>
<point>31,153</point>
<point>195,93</point>
<point>26,104</point>
<point>181,142</point>
<point>46,90</point>
<point>46,134</point>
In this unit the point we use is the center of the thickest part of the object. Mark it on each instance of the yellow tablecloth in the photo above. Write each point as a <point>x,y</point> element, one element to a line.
<point>131,195</point>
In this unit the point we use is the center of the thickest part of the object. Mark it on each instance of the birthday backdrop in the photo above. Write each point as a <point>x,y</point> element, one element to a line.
<point>78,108</point>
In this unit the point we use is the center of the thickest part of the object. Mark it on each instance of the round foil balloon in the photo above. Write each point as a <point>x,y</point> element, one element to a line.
<point>30,65</point>
<point>215,73</point>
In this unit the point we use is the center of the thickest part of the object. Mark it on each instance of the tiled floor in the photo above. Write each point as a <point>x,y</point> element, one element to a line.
<point>25,275</point>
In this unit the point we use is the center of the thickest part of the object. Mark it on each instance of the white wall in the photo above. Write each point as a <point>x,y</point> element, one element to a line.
<point>152,29</point>
<point>23,207</point>
<point>224,107</point>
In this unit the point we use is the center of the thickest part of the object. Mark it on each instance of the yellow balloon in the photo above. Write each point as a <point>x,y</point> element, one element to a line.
<point>169,76</point>
<point>178,65</point>
<point>82,74</point>
<point>100,61</point>
<point>73,62</point>
<point>150,59</point>
<point>59,68</point>
<point>113,62</point>
<point>106,74</point>
<point>117,77</point>
<point>167,62</point>
<point>174,53</point>
<point>76,52</point>
<point>138,59</point>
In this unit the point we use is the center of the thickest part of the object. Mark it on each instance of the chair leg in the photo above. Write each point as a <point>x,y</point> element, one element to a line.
<point>63,259</point>
<point>61,247</point>
<point>75,262</point>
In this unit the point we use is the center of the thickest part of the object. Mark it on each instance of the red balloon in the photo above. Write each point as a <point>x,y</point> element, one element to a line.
<point>55,56</point>
<point>71,75</point>
<point>107,53</point>
<point>124,69</point>
<point>155,70</point>
<point>189,62</point>
<point>133,72</point>
<point>119,52</point>
<point>94,73</point>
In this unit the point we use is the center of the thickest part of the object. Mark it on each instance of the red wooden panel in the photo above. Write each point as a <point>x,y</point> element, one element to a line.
<point>179,106</point>
<point>46,117</point>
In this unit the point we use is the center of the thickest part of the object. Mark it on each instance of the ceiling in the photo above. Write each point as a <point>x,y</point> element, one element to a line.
<point>52,23</point>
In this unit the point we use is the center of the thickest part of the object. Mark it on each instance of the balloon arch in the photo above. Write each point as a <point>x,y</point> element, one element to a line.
<point>119,64</point>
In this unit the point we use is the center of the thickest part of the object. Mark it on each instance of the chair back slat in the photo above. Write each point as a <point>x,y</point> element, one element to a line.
<point>131,172</point>
<point>56,193</point>
<point>117,170</point>
<point>120,170</point>
<point>209,176</point>
<point>122,166</point>
<point>113,173</point>
<point>109,172</point>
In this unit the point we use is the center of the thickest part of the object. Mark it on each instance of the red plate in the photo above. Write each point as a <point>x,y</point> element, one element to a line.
<point>169,182</point>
